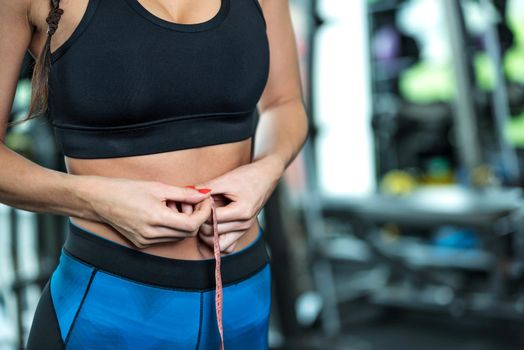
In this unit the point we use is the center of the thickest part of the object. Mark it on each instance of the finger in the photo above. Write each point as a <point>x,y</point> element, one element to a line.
<point>216,184</point>
<point>151,242</point>
<point>187,208</point>
<point>226,240</point>
<point>201,212</point>
<point>224,227</point>
<point>172,205</point>
<point>182,194</point>
<point>230,238</point>
<point>142,242</point>
<point>175,222</point>
<point>231,212</point>
<point>219,202</point>
<point>198,206</point>
<point>157,233</point>
<point>206,229</point>
<point>207,240</point>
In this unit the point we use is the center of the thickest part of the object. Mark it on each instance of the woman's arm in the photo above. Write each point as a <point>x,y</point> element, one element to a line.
<point>281,132</point>
<point>23,183</point>
<point>29,186</point>
<point>283,125</point>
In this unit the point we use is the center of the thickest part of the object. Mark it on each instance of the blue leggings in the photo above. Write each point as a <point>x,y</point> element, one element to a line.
<point>104,295</point>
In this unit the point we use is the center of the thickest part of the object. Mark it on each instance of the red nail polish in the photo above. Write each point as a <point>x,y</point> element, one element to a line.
<point>204,190</point>
<point>190,186</point>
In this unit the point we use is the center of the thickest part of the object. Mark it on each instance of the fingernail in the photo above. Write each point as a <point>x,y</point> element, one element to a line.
<point>190,186</point>
<point>204,190</point>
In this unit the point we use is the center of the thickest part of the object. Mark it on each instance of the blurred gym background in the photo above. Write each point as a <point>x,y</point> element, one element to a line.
<point>400,224</point>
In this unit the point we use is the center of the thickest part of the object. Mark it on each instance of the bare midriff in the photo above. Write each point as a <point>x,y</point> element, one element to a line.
<point>177,168</point>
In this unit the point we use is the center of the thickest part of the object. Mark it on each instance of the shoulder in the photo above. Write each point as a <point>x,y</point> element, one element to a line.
<point>18,8</point>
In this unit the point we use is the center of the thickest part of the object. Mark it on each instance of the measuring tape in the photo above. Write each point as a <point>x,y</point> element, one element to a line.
<point>218,274</point>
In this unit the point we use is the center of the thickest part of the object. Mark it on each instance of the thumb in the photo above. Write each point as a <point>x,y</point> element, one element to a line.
<point>215,185</point>
<point>184,194</point>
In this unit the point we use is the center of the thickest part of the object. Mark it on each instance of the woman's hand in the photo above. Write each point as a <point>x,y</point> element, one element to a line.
<point>147,212</point>
<point>246,189</point>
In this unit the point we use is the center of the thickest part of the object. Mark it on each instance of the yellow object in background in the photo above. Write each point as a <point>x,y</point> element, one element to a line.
<point>398,182</point>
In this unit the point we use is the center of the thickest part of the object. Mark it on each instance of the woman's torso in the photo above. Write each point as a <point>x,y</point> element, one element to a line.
<point>177,167</point>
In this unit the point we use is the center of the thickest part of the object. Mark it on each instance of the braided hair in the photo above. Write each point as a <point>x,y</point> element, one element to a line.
<point>39,79</point>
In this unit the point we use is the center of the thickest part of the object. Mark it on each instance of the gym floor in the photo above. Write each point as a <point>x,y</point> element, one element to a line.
<point>419,331</point>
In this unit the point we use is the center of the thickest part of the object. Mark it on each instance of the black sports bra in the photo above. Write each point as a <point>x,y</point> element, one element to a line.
<point>127,82</point>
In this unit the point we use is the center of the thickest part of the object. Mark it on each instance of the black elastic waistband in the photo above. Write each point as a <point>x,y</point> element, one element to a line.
<point>118,259</point>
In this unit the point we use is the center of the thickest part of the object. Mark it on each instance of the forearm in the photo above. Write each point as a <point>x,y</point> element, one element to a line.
<point>281,133</point>
<point>29,186</point>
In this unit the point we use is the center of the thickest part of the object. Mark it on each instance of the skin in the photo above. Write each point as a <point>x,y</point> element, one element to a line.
<point>141,201</point>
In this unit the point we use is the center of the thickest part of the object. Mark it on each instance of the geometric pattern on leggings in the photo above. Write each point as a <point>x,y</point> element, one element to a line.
<point>118,313</point>
<point>69,283</point>
<point>247,306</point>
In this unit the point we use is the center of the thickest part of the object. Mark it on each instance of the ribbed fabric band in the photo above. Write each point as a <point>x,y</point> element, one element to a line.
<point>160,271</point>
<point>154,137</point>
